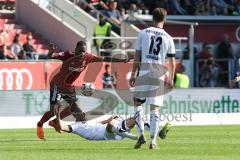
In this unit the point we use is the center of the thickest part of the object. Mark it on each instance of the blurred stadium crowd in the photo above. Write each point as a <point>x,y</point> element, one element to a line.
<point>174,7</point>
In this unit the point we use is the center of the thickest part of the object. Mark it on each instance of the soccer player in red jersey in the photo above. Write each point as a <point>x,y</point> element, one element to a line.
<point>62,83</point>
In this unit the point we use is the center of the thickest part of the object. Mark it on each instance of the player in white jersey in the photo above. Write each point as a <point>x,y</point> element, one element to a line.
<point>152,46</point>
<point>113,128</point>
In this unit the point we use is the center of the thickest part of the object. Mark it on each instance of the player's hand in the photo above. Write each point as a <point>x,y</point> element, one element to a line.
<point>52,48</point>
<point>112,118</point>
<point>169,84</point>
<point>132,81</point>
<point>115,116</point>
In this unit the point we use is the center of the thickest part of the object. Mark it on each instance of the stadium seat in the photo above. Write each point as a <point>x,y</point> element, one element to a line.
<point>8,23</point>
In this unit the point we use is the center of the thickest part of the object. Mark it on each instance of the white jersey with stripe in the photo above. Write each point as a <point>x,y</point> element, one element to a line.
<point>155,44</point>
<point>89,130</point>
<point>94,131</point>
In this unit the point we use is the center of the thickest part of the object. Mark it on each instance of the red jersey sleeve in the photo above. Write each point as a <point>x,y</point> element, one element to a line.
<point>92,58</point>
<point>63,55</point>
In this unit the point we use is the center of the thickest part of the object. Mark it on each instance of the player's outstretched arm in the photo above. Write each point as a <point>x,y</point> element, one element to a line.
<point>108,120</point>
<point>111,59</point>
<point>128,135</point>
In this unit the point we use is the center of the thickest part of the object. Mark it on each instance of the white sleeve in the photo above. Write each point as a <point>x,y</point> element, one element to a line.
<point>138,43</point>
<point>171,48</point>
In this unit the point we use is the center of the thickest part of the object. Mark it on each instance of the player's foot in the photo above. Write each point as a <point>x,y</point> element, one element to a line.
<point>140,142</point>
<point>40,133</point>
<point>55,126</point>
<point>163,133</point>
<point>153,146</point>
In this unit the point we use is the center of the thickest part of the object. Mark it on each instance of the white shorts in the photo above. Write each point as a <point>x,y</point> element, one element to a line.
<point>152,93</point>
<point>89,130</point>
<point>92,131</point>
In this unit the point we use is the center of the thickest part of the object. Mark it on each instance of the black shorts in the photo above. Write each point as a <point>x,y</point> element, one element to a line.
<point>55,96</point>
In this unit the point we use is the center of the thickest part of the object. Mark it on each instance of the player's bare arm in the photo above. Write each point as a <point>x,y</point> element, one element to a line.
<point>136,66</point>
<point>108,120</point>
<point>172,66</point>
<point>111,59</point>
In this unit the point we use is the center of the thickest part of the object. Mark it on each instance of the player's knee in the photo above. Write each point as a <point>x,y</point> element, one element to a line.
<point>74,108</point>
<point>154,107</point>
<point>52,111</point>
<point>77,113</point>
<point>139,101</point>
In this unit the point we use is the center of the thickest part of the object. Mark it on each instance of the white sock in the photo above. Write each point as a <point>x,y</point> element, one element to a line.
<point>139,119</point>
<point>123,134</point>
<point>154,125</point>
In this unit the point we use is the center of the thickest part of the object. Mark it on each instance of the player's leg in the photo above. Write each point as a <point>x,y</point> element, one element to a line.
<point>74,108</point>
<point>138,109</point>
<point>49,114</point>
<point>77,112</point>
<point>154,125</point>
<point>46,116</point>
<point>59,124</point>
<point>78,128</point>
<point>162,133</point>
<point>122,128</point>
<point>64,113</point>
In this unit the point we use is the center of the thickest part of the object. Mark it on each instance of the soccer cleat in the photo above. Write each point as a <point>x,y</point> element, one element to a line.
<point>55,126</point>
<point>163,133</point>
<point>141,141</point>
<point>153,146</point>
<point>40,133</point>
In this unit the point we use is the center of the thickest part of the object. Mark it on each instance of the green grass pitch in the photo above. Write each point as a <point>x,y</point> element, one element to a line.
<point>182,143</point>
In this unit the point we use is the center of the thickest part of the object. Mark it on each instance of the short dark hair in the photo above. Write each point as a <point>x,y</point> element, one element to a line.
<point>81,43</point>
<point>15,39</point>
<point>107,66</point>
<point>159,14</point>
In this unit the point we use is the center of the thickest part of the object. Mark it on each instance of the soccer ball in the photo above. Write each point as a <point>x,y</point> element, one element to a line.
<point>87,89</point>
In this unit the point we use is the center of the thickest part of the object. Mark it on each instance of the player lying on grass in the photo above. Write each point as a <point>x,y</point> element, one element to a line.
<point>113,128</point>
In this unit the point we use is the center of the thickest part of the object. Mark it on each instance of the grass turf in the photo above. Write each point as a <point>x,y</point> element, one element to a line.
<point>182,143</point>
